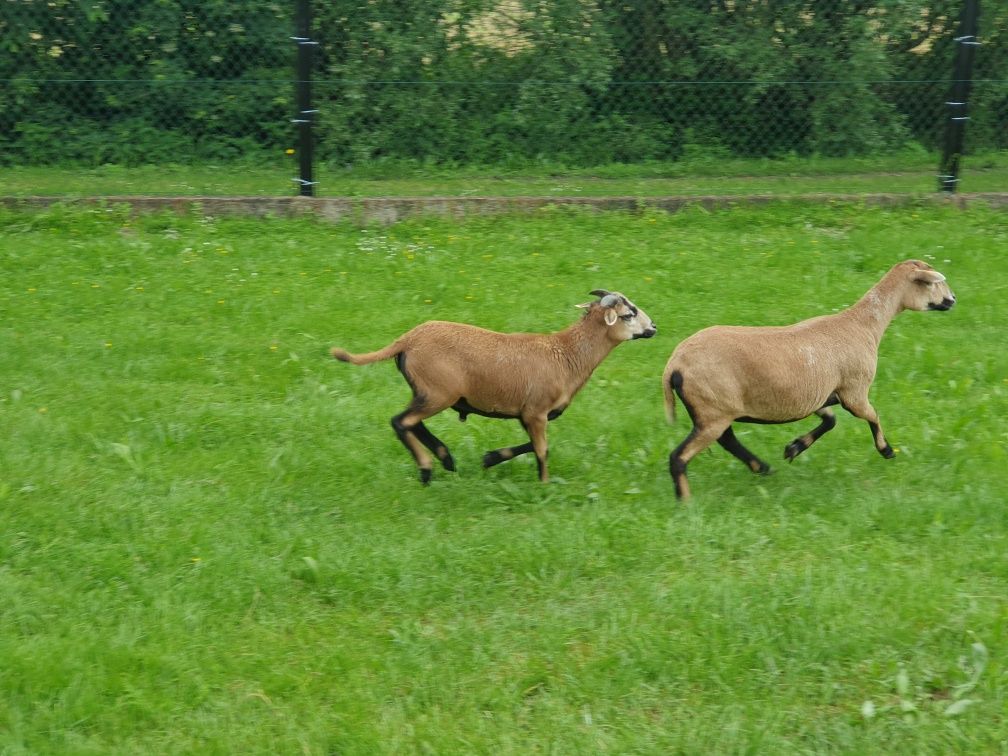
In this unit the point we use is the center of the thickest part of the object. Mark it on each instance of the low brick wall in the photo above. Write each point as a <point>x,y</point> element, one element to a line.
<point>367,210</point>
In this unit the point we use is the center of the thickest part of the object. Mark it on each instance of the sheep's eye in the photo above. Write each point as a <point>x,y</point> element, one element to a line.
<point>628,316</point>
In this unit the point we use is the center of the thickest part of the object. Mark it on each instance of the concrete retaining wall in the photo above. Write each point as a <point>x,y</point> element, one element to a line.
<point>368,210</point>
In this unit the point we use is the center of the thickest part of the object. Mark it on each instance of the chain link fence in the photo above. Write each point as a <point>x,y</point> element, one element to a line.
<point>491,82</point>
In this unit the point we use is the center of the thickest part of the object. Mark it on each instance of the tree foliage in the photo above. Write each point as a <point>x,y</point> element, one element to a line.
<point>489,81</point>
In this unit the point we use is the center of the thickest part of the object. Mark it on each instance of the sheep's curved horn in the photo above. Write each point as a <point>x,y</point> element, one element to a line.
<point>609,300</point>
<point>929,276</point>
<point>599,293</point>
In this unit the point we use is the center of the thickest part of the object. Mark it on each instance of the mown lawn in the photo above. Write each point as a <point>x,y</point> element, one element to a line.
<point>211,541</point>
<point>909,173</point>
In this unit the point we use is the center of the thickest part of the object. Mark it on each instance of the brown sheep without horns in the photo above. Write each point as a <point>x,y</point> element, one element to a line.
<point>727,374</point>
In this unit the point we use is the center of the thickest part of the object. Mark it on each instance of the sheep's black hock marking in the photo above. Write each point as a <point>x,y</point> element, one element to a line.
<point>400,429</point>
<point>733,446</point>
<point>677,467</point>
<point>553,414</point>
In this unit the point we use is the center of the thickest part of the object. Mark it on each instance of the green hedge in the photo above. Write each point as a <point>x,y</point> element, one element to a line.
<point>489,81</point>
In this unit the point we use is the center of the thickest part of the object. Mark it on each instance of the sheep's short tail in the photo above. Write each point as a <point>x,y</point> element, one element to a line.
<point>671,385</point>
<point>363,359</point>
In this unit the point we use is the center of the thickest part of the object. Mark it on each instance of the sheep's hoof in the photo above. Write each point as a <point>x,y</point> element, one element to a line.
<point>887,452</point>
<point>793,449</point>
<point>492,458</point>
<point>447,461</point>
<point>425,476</point>
<point>761,467</point>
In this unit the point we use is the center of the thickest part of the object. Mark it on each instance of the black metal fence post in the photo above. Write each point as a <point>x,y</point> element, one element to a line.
<point>306,114</point>
<point>955,129</point>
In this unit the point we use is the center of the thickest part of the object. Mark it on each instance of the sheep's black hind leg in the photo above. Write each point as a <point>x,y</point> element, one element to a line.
<point>436,445</point>
<point>732,445</point>
<point>497,456</point>
<point>403,430</point>
<point>413,434</point>
<point>802,443</point>
<point>699,438</point>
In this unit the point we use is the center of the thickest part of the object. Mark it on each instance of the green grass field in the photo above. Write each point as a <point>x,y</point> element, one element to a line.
<point>211,541</point>
<point>910,172</point>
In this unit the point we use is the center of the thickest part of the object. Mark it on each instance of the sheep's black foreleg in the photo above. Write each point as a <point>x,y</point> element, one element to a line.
<point>732,445</point>
<point>535,426</point>
<point>802,443</point>
<point>497,456</point>
<point>861,407</point>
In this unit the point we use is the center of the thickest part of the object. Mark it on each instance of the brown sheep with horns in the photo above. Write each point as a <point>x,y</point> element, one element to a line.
<point>530,377</point>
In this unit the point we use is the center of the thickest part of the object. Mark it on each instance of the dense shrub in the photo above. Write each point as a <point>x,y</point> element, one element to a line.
<point>489,81</point>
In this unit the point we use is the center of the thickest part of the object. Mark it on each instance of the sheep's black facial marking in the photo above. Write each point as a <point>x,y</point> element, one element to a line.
<point>733,446</point>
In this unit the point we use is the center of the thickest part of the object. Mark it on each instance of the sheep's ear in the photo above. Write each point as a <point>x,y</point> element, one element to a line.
<point>929,276</point>
<point>611,316</point>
